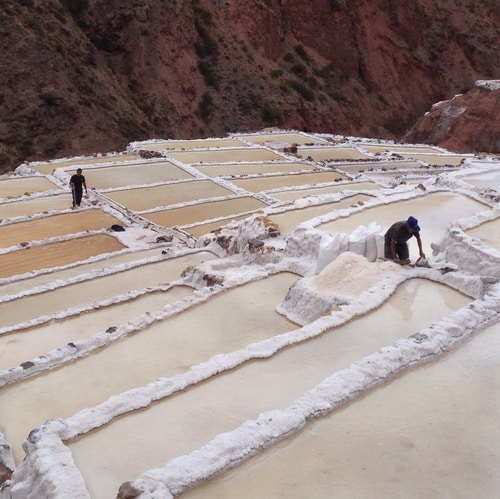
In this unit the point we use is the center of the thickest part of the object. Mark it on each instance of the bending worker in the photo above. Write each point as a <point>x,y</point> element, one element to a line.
<point>395,247</point>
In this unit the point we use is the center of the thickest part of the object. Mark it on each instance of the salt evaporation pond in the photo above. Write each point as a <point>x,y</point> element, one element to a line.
<point>145,198</point>
<point>252,168</point>
<point>288,220</point>
<point>35,206</point>
<point>183,340</point>
<point>13,187</point>
<point>56,254</point>
<point>168,334</point>
<point>431,432</point>
<point>48,168</point>
<point>484,180</point>
<point>223,402</point>
<point>488,233</point>
<point>293,194</point>
<point>150,172</point>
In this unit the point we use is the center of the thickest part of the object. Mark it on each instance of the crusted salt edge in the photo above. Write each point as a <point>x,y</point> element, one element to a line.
<point>228,450</point>
<point>81,348</point>
<point>91,418</point>
<point>81,278</point>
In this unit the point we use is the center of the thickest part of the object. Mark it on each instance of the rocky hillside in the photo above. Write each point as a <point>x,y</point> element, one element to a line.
<point>81,76</point>
<point>467,123</point>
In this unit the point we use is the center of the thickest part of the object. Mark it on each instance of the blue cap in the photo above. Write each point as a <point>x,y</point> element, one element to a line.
<point>413,224</point>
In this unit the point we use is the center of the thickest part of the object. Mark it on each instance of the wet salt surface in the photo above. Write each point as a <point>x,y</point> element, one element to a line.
<point>209,210</point>
<point>488,233</point>
<point>82,295</point>
<point>289,220</point>
<point>266,183</point>
<point>23,346</point>
<point>252,168</point>
<point>145,198</point>
<point>48,168</point>
<point>413,437</point>
<point>35,206</point>
<point>330,153</point>
<point>224,402</point>
<point>18,286</point>
<point>485,180</point>
<point>54,226</point>
<point>163,349</point>
<point>134,174</point>
<point>56,254</point>
<point>13,187</point>
<point>226,155</point>
<point>291,195</point>
<point>282,138</point>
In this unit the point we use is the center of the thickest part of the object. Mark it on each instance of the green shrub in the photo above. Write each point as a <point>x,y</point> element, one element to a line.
<point>208,74</point>
<point>76,7</point>
<point>206,107</point>
<point>271,114</point>
<point>305,92</point>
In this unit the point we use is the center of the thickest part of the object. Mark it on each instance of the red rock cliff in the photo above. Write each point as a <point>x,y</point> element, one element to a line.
<point>91,75</point>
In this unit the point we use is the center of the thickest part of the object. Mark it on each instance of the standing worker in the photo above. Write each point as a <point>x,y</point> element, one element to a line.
<point>395,247</point>
<point>77,184</point>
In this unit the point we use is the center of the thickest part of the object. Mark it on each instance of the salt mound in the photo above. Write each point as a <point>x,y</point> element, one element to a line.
<point>339,283</point>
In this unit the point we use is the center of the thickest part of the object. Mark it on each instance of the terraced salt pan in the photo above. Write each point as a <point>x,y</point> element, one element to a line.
<point>399,149</point>
<point>382,444</point>
<point>204,228</point>
<point>35,206</point>
<point>165,348</point>
<point>226,155</point>
<point>191,144</point>
<point>28,344</point>
<point>273,182</point>
<point>224,402</point>
<point>293,194</point>
<point>14,187</point>
<point>438,159</point>
<point>330,153</point>
<point>204,211</point>
<point>134,174</point>
<point>434,211</point>
<point>48,168</point>
<point>289,220</point>
<point>55,226</point>
<point>367,166</point>
<point>488,232</point>
<point>277,138</point>
<point>145,198</point>
<point>485,180</point>
<point>252,168</point>
<point>65,274</point>
<point>57,254</point>
<point>86,294</point>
